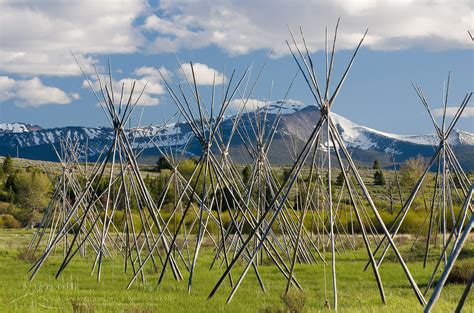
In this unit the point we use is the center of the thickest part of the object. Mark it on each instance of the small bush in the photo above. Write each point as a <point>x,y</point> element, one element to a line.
<point>24,255</point>
<point>226,220</point>
<point>80,306</point>
<point>8,221</point>
<point>461,272</point>
<point>412,223</point>
<point>411,170</point>
<point>294,301</point>
<point>5,196</point>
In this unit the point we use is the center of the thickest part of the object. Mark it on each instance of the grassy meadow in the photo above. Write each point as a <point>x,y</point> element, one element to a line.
<point>76,290</point>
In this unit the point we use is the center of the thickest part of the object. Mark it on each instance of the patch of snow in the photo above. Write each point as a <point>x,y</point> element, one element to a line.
<point>91,133</point>
<point>13,128</point>
<point>356,134</point>
<point>464,137</point>
<point>353,134</point>
<point>282,106</point>
<point>36,139</point>
<point>50,137</point>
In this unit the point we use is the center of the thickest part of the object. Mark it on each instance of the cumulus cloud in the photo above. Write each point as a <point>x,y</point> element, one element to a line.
<point>240,27</point>
<point>204,74</point>
<point>146,78</point>
<point>174,34</point>
<point>37,37</point>
<point>451,111</point>
<point>32,92</point>
<point>152,73</point>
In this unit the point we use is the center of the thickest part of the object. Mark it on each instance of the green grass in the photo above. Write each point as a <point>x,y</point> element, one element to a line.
<point>77,291</point>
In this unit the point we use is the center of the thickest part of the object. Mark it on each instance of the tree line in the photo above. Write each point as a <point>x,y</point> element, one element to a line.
<point>26,192</point>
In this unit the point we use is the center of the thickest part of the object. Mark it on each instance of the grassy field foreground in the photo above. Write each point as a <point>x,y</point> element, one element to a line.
<point>77,291</point>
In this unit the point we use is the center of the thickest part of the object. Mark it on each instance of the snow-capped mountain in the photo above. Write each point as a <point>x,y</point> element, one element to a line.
<point>35,144</point>
<point>17,128</point>
<point>297,121</point>
<point>363,137</point>
<point>367,144</point>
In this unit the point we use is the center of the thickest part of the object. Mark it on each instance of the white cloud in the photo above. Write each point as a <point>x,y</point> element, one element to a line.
<point>32,92</point>
<point>451,111</point>
<point>152,73</point>
<point>45,63</point>
<point>146,99</point>
<point>241,27</point>
<point>204,74</point>
<point>7,86</point>
<point>145,76</point>
<point>75,96</point>
<point>146,71</point>
<point>37,37</point>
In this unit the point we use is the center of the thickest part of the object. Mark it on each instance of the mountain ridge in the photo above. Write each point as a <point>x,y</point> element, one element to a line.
<point>298,121</point>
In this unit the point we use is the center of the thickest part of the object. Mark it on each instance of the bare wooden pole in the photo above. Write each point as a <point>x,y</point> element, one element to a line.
<point>452,259</point>
<point>379,219</point>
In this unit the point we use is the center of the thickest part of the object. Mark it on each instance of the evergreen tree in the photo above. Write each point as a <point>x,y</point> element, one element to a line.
<point>246,174</point>
<point>7,166</point>
<point>162,164</point>
<point>376,165</point>
<point>379,179</point>
<point>286,174</point>
<point>9,187</point>
<point>340,179</point>
<point>10,182</point>
<point>268,196</point>
<point>226,200</point>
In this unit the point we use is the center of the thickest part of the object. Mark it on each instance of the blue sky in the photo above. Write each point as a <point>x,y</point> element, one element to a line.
<point>407,42</point>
